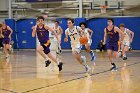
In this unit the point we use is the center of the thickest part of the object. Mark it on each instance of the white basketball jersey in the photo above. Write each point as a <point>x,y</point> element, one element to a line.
<point>87,33</point>
<point>73,34</point>
<point>126,35</point>
<point>58,32</point>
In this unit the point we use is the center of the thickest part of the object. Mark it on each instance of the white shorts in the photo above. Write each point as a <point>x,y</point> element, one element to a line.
<point>90,41</point>
<point>76,47</point>
<point>59,37</point>
<point>126,43</point>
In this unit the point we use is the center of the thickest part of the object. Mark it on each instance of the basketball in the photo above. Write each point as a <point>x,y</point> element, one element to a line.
<point>83,40</point>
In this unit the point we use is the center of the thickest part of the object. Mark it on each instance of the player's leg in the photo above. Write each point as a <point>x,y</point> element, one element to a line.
<point>58,52</point>
<point>87,46</point>
<point>52,57</point>
<point>40,50</point>
<point>6,44</point>
<point>115,55</point>
<point>76,52</point>
<point>110,53</point>
<point>124,52</point>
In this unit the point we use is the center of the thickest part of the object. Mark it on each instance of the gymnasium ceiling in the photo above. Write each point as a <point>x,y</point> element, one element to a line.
<point>70,8</point>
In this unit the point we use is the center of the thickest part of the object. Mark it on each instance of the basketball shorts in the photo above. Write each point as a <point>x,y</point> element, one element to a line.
<point>46,47</point>
<point>126,43</point>
<point>6,41</point>
<point>76,47</point>
<point>113,46</point>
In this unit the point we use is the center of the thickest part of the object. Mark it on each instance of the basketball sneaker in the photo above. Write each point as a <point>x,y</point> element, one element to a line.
<point>124,58</point>
<point>47,62</point>
<point>87,68</point>
<point>92,56</point>
<point>83,58</point>
<point>60,66</point>
<point>113,68</point>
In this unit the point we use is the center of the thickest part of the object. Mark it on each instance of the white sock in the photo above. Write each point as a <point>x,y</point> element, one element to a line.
<point>124,55</point>
<point>83,59</point>
<point>47,59</point>
<point>7,55</point>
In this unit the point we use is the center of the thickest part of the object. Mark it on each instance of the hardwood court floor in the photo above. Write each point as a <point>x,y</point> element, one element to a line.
<point>25,73</point>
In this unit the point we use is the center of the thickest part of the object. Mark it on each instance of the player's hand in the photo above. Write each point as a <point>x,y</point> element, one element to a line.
<point>9,36</point>
<point>104,43</point>
<point>65,39</point>
<point>2,36</point>
<point>34,28</point>
<point>130,40</point>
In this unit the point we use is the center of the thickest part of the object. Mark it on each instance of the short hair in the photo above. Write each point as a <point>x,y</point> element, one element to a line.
<point>83,23</point>
<point>111,19</point>
<point>57,21</point>
<point>40,17</point>
<point>122,25</point>
<point>70,19</point>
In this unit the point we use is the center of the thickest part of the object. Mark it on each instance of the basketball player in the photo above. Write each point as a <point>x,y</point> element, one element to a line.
<point>1,39</point>
<point>88,33</point>
<point>6,33</point>
<point>74,33</point>
<point>59,33</point>
<point>42,32</point>
<point>128,38</point>
<point>113,34</point>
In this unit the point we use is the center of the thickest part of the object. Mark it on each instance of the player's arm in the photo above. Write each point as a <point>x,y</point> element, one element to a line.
<point>82,32</point>
<point>66,36</point>
<point>52,30</point>
<point>61,30</point>
<point>1,33</point>
<point>34,31</point>
<point>132,35</point>
<point>0,30</point>
<point>120,33</point>
<point>91,32</point>
<point>105,36</point>
<point>11,31</point>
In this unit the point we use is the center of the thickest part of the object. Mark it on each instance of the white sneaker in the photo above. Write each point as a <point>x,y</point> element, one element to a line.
<point>83,59</point>
<point>7,56</point>
<point>87,68</point>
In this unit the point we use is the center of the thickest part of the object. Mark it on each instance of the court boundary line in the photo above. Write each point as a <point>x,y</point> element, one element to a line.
<point>76,79</point>
<point>8,90</point>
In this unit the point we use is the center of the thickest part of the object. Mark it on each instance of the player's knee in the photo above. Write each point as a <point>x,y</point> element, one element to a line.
<point>39,49</point>
<point>7,46</point>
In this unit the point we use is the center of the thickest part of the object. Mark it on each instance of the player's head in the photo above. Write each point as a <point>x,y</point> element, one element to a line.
<point>122,26</point>
<point>70,22</point>
<point>82,25</point>
<point>3,23</point>
<point>40,20</point>
<point>56,23</point>
<point>110,21</point>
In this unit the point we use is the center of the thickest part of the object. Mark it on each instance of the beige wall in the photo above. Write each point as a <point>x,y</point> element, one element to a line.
<point>3,4</point>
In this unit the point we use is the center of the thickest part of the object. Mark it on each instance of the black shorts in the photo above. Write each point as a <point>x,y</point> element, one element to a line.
<point>46,47</point>
<point>1,40</point>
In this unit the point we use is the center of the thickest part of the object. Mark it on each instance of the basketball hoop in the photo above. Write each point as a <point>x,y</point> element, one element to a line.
<point>103,9</point>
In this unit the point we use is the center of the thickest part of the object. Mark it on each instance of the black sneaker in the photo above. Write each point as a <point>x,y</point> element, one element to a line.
<point>124,58</point>
<point>60,66</point>
<point>113,68</point>
<point>47,63</point>
<point>60,51</point>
